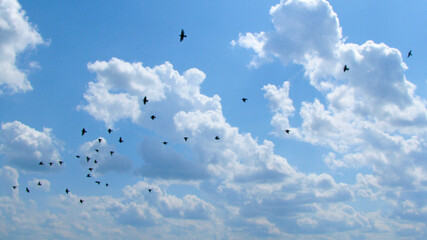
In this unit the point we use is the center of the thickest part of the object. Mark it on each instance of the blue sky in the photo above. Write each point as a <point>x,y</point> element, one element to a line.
<point>352,167</point>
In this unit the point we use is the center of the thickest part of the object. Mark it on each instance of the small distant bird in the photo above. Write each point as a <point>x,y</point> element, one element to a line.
<point>39,183</point>
<point>182,35</point>
<point>95,161</point>
<point>83,131</point>
<point>77,156</point>
<point>41,163</point>
<point>60,162</point>
<point>106,184</point>
<point>87,159</point>
<point>109,130</point>
<point>98,182</point>
<point>165,143</point>
<point>244,99</point>
<point>153,117</point>
<point>67,191</point>
<point>50,163</point>
<point>96,150</point>
<point>185,138</point>
<point>81,200</point>
<point>28,190</point>
<point>88,175</point>
<point>120,140</point>
<point>410,53</point>
<point>90,169</point>
<point>99,140</point>
<point>149,190</point>
<point>145,100</point>
<point>217,138</point>
<point>287,131</point>
<point>14,187</point>
<point>111,153</point>
<point>346,68</point>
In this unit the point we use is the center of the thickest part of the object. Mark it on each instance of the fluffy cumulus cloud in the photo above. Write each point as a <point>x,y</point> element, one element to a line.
<point>25,147</point>
<point>371,117</point>
<point>17,34</point>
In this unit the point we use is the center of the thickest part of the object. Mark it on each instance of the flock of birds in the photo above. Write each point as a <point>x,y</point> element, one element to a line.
<point>145,101</point>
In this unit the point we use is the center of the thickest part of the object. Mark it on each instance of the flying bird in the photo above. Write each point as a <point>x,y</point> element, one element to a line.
<point>87,159</point>
<point>145,100</point>
<point>14,187</point>
<point>98,182</point>
<point>217,138</point>
<point>120,140</point>
<point>109,130</point>
<point>96,150</point>
<point>346,68</point>
<point>153,117</point>
<point>28,190</point>
<point>287,131</point>
<point>95,161</point>
<point>99,140</point>
<point>83,131</point>
<point>165,143</point>
<point>39,183</point>
<point>106,184</point>
<point>41,163</point>
<point>81,200</point>
<point>410,53</point>
<point>88,175</point>
<point>77,156</point>
<point>182,35</point>
<point>185,138</point>
<point>67,191</point>
<point>60,162</point>
<point>244,99</point>
<point>50,163</point>
<point>90,169</point>
<point>111,153</point>
<point>149,190</point>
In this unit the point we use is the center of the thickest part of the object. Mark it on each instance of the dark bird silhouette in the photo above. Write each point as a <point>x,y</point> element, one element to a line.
<point>28,190</point>
<point>39,183</point>
<point>87,159</point>
<point>149,190</point>
<point>287,131</point>
<point>81,200</point>
<point>96,150</point>
<point>109,130</point>
<point>60,162</point>
<point>95,161</point>
<point>88,175</point>
<point>106,184</point>
<point>83,131</point>
<point>98,182</point>
<point>90,169</point>
<point>182,35</point>
<point>410,53</point>
<point>244,99</point>
<point>217,138</point>
<point>185,138</point>
<point>67,191</point>
<point>99,140</point>
<point>50,163</point>
<point>153,117</point>
<point>14,187</point>
<point>120,140</point>
<point>41,163</point>
<point>346,68</point>
<point>145,100</point>
<point>165,143</point>
<point>111,153</point>
<point>77,156</point>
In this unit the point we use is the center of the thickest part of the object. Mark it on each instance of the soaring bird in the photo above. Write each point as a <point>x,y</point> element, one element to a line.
<point>96,150</point>
<point>165,143</point>
<point>41,163</point>
<point>410,53</point>
<point>83,131</point>
<point>346,68</point>
<point>28,190</point>
<point>185,138</point>
<point>120,140</point>
<point>67,191</point>
<point>14,187</point>
<point>153,117</point>
<point>50,163</point>
<point>149,190</point>
<point>81,200</point>
<point>95,161</point>
<point>60,162</point>
<point>182,35</point>
<point>87,159</point>
<point>244,99</point>
<point>145,100</point>
<point>77,156</point>
<point>88,175</point>
<point>39,183</point>
<point>287,131</point>
<point>90,169</point>
<point>216,138</point>
<point>111,153</point>
<point>98,182</point>
<point>99,140</point>
<point>109,130</point>
<point>106,184</point>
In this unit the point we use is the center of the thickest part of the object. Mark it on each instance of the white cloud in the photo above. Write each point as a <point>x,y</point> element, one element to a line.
<point>17,34</point>
<point>24,147</point>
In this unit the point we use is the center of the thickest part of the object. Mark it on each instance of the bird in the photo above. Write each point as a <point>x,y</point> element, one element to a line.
<point>109,130</point>
<point>90,169</point>
<point>81,200</point>
<point>346,68</point>
<point>98,182</point>
<point>77,156</point>
<point>287,131</point>
<point>165,143</point>
<point>88,175</point>
<point>60,162</point>
<point>96,150</point>
<point>149,190</point>
<point>111,153</point>
<point>185,138</point>
<point>50,163</point>
<point>217,138</point>
<point>41,163</point>
<point>244,99</point>
<point>120,140</point>
<point>106,184</point>
<point>28,190</point>
<point>145,100</point>
<point>14,187</point>
<point>87,159</point>
<point>182,35</point>
<point>39,183</point>
<point>83,131</point>
<point>95,161</point>
<point>410,53</point>
<point>99,140</point>
<point>153,117</point>
<point>67,191</point>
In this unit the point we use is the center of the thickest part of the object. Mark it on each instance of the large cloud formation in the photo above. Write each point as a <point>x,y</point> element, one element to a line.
<point>16,35</point>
